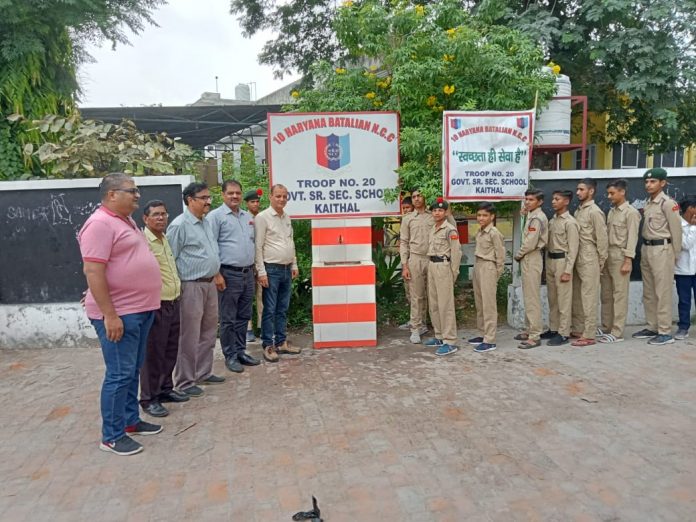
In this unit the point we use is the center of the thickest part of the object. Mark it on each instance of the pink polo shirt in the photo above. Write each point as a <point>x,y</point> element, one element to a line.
<point>132,271</point>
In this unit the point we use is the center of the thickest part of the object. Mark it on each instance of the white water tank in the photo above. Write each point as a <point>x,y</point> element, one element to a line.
<point>553,123</point>
<point>242,92</point>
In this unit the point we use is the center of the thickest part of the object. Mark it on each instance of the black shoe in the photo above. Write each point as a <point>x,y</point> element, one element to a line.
<point>234,365</point>
<point>143,428</point>
<point>155,409</point>
<point>644,334</point>
<point>475,341</point>
<point>194,391</point>
<point>173,396</point>
<point>213,379</point>
<point>548,334</point>
<point>123,446</point>
<point>557,340</point>
<point>248,360</point>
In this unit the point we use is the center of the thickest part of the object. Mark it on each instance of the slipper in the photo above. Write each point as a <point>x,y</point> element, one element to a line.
<point>609,338</point>
<point>583,341</point>
<point>526,345</point>
<point>522,336</point>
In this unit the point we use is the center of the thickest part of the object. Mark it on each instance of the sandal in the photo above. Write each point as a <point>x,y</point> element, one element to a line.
<point>583,341</point>
<point>522,336</point>
<point>526,345</point>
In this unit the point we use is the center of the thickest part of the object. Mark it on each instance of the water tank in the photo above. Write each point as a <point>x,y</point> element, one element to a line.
<point>242,92</point>
<point>553,123</point>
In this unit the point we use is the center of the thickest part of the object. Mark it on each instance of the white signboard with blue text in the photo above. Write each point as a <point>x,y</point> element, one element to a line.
<point>335,164</point>
<point>486,155</point>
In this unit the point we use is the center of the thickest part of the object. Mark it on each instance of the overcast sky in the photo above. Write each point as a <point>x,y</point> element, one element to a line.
<point>174,63</point>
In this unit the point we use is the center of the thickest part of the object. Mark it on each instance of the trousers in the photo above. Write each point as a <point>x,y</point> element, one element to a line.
<point>614,294</point>
<point>532,265</point>
<point>441,302</point>
<point>560,297</point>
<point>657,269</point>
<point>485,281</point>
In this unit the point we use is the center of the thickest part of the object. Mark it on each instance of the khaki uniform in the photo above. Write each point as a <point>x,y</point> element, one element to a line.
<point>489,264</point>
<point>592,254</point>
<point>661,222</point>
<point>561,252</point>
<point>443,243</point>
<point>534,239</point>
<point>623,223</point>
<point>413,248</point>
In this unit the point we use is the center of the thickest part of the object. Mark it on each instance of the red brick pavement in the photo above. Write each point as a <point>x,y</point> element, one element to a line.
<point>388,434</point>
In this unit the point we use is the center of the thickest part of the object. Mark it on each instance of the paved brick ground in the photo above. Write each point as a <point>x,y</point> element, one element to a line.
<point>387,434</point>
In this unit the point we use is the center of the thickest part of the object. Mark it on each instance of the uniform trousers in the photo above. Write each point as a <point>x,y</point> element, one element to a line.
<point>485,281</point>
<point>614,294</point>
<point>199,318</point>
<point>161,353</point>
<point>441,302</point>
<point>657,269</point>
<point>418,267</point>
<point>532,265</point>
<point>585,294</point>
<point>560,296</point>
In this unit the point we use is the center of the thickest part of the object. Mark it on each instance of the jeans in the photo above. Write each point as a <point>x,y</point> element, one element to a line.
<point>123,359</point>
<point>686,287</point>
<point>235,305</point>
<point>276,300</point>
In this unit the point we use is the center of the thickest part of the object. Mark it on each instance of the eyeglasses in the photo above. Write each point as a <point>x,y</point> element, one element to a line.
<point>132,191</point>
<point>204,198</point>
<point>156,215</point>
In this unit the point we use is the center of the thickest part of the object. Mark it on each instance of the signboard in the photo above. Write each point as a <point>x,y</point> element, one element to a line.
<point>486,155</point>
<point>335,164</point>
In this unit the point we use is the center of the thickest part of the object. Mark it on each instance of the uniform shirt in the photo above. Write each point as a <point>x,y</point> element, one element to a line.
<point>593,231</point>
<point>661,220</point>
<point>564,236</point>
<point>490,246</point>
<point>623,223</point>
<point>234,233</point>
<point>132,273</point>
<point>194,247</point>
<point>171,285</point>
<point>415,233</point>
<point>274,240</point>
<point>536,233</point>
<point>444,241</point>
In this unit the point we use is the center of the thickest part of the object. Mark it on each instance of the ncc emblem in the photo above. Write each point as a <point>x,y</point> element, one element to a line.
<point>522,122</point>
<point>333,152</point>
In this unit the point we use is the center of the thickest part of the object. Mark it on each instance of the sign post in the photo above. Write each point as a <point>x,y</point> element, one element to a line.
<point>337,168</point>
<point>486,155</point>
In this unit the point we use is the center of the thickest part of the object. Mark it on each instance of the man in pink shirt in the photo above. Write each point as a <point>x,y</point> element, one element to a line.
<point>124,290</point>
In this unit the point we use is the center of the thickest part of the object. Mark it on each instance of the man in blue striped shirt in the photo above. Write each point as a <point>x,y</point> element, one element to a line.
<point>198,263</point>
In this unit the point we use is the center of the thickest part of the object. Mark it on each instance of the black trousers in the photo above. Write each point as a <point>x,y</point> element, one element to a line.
<point>161,352</point>
<point>235,306</point>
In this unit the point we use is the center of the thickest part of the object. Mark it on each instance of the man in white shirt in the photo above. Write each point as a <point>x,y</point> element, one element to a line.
<point>685,267</point>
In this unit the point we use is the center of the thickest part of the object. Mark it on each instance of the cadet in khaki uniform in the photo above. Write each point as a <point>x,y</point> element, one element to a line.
<point>662,242</point>
<point>592,254</point>
<point>623,223</point>
<point>489,264</point>
<point>253,203</point>
<point>413,248</point>
<point>561,252</point>
<point>444,256</point>
<point>529,256</point>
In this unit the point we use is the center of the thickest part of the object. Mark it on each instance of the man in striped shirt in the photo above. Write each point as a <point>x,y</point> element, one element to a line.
<point>198,263</point>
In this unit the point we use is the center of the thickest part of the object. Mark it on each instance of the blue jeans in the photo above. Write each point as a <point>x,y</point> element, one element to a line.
<point>119,394</point>
<point>276,300</point>
<point>686,287</point>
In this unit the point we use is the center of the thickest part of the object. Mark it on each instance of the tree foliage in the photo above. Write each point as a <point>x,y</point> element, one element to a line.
<point>71,148</point>
<point>634,59</point>
<point>426,60</point>
<point>42,42</point>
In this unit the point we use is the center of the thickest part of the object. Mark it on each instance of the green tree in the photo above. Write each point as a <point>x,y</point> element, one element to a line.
<point>426,60</point>
<point>634,59</point>
<point>42,42</point>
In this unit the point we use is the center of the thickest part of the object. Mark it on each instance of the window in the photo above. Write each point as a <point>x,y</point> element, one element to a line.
<point>628,156</point>
<point>672,158</point>
<point>590,158</point>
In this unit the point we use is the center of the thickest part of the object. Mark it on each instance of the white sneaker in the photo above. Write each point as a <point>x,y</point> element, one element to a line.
<point>405,326</point>
<point>415,338</point>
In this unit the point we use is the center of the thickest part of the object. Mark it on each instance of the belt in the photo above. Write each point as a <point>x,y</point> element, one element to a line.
<point>174,301</point>
<point>656,242</point>
<point>242,269</point>
<point>278,265</point>
<point>200,280</point>
<point>556,255</point>
<point>439,259</point>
